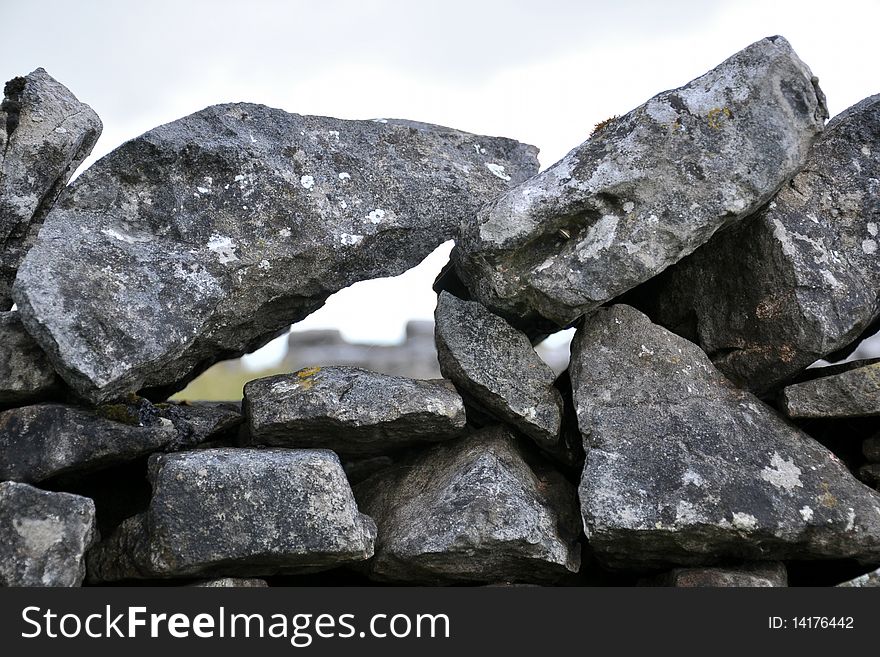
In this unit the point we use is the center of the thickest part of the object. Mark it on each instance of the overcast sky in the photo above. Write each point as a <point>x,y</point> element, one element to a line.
<point>541,72</point>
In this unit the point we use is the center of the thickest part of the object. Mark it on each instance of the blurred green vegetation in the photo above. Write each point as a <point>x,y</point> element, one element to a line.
<point>223,382</point>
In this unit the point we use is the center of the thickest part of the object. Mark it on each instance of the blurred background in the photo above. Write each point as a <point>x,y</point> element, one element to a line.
<point>540,72</point>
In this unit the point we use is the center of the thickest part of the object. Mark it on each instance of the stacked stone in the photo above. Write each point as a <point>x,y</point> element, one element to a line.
<point>708,246</point>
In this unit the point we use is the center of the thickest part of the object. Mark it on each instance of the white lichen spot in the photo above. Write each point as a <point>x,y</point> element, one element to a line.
<point>60,130</point>
<point>239,178</point>
<point>869,246</point>
<point>224,247</point>
<point>744,521</point>
<point>782,473</point>
<point>806,513</point>
<point>307,181</point>
<point>264,264</point>
<point>203,190</point>
<point>334,133</point>
<point>685,512</point>
<point>380,120</point>
<point>284,232</point>
<point>644,351</point>
<point>344,176</point>
<point>872,229</point>
<point>497,171</point>
<point>39,534</point>
<point>850,519</point>
<point>376,216</point>
<point>866,150</point>
<point>343,205</point>
<point>629,206</point>
<point>123,236</point>
<point>350,240</point>
<point>692,478</point>
<point>599,237</point>
<point>480,150</point>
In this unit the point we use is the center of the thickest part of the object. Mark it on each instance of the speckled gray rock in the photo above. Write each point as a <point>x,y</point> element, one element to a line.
<point>771,574</point>
<point>645,190</point>
<point>871,579</point>
<point>352,411</point>
<point>46,440</point>
<point>683,468</point>
<point>43,536</point>
<point>853,393</point>
<point>472,510</point>
<point>496,365</point>
<point>25,372</point>
<point>207,237</point>
<point>45,134</point>
<point>797,282</point>
<point>248,512</point>
<point>232,583</point>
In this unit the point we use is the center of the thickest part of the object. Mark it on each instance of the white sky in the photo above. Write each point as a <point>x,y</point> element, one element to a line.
<point>541,72</point>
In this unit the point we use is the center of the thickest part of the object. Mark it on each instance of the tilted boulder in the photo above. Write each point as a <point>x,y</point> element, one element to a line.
<point>497,367</point>
<point>645,190</point>
<point>45,134</point>
<point>206,237</point>
<point>770,574</point>
<point>853,393</point>
<point>472,510</point>
<point>47,440</point>
<point>43,536</point>
<point>247,512</point>
<point>352,411</point>
<point>683,468</point>
<point>871,579</point>
<point>25,373</point>
<point>798,281</point>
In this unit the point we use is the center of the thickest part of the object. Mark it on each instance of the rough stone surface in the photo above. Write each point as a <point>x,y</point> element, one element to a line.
<point>243,512</point>
<point>352,411</point>
<point>47,440</point>
<point>206,237</point>
<point>25,372</point>
<point>871,579</point>
<point>496,365</point>
<point>45,134</point>
<point>683,468</point>
<point>472,510</point>
<point>772,574</point>
<point>871,449</point>
<point>43,536</point>
<point>645,190</point>
<point>232,583</point>
<point>853,393</point>
<point>797,282</point>
<point>870,474</point>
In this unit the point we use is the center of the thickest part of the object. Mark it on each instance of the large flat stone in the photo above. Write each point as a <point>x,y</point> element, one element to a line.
<point>645,190</point>
<point>207,237</point>
<point>853,393</point>
<point>683,468</point>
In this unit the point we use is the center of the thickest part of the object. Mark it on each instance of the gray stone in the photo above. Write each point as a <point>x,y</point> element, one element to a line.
<point>232,583</point>
<point>853,393</point>
<point>645,190</point>
<point>472,510</point>
<point>25,373</point>
<point>47,440</point>
<point>771,574</point>
<point>206,237</point>
<point>871,579</point>
<point>230,512</point>
<point>43,536</point>
<point>351,411</point>
<point>870,474</point>
<point>798,281</point>
<point>45,134</point>
<point>496,365</point>
<point>871,449</point>
<point>683,468</point>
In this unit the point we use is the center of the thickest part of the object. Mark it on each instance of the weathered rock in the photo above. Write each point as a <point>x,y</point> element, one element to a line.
<point>45,134</point>
<point>351,411</point>
<point>47,440</point>
<point>798,281</point>
<point>43,536</point>
<point>496,365</point>
<point>25,372</point>
<point>771,574</point>
<point>207,237</point>
<point>853,393</point>
<point>645,190</point>
<point>870,474</point>
<point>232,583</point>
<point>244,512</point>
<point>683,468</point>
<point>871,449</point>
<point>472,510</point>
<point>871,579</point>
